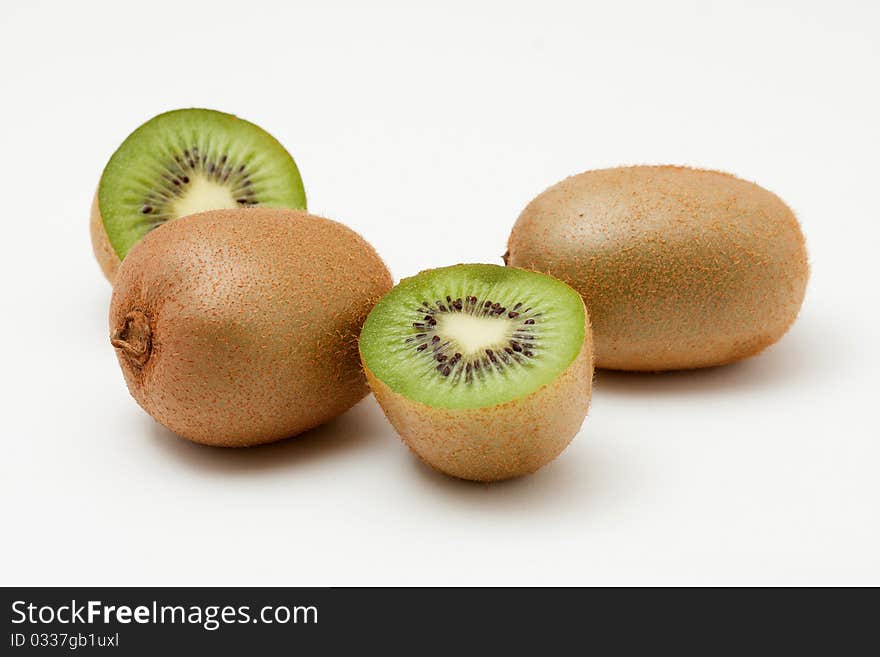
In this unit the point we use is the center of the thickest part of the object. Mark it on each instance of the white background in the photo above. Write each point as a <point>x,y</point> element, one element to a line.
<point>427,130</point>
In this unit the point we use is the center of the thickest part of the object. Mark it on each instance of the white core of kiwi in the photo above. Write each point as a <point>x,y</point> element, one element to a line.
<point>203,194</point>
<point>474,334</point>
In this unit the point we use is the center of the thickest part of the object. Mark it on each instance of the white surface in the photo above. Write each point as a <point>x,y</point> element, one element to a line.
<point>428,130</point>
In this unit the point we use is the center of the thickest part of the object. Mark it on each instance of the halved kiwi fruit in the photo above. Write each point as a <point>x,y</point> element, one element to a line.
<point>485,371</point>
<point>183,162</point>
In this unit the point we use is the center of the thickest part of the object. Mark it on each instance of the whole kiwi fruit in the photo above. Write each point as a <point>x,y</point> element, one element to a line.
<point>484,371</point>
<point>680,268</point>
<point>240,327</point>
<point>183,162</point>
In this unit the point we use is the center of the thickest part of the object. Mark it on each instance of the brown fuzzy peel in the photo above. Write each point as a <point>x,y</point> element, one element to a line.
<point>239,327</point>
<point>680,268</point>
<point>103,250</point>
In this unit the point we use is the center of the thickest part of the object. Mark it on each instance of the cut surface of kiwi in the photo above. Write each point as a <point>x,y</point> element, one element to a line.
<point>188,161</point>
<point>471,336</point>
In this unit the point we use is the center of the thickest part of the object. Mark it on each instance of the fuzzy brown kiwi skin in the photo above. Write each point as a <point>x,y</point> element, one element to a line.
<point>104,251</point>
<point>680,268</point>
<point>240,327</point>
<point>496,442</point>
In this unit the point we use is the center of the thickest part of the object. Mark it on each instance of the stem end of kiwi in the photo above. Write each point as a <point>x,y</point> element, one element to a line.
<point>133,338</point>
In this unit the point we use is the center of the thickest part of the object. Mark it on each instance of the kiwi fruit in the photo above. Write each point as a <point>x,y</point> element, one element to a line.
<point>484,371</point>
<point>680,268</point>
<point>183,162</point>
<point>240,327</point>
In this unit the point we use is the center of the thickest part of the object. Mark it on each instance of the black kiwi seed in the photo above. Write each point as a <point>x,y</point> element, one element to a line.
<point>177,178</point>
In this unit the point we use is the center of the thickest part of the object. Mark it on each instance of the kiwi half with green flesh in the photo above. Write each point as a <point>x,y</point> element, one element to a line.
<point>240,327</point>
<point>484,371</point>
<point>680,268</point>
<point>183,162</point>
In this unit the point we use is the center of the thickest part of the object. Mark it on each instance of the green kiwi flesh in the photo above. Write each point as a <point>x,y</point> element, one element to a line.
<point>470,336</point>
<point>188,161</point>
